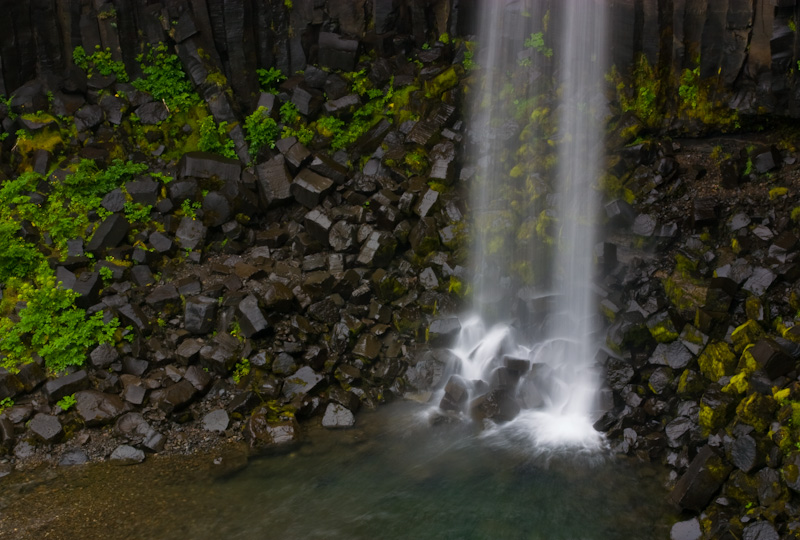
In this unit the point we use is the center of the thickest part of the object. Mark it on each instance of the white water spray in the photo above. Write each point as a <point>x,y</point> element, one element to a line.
<point>557,333</point>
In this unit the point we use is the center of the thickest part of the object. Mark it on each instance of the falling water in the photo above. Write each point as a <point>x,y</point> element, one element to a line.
<point>534,224</point>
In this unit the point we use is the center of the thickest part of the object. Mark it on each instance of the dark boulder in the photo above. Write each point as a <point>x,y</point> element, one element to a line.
<point>173,397</point>
<point>66,385</point>
<point>109,233</point>
<point>703,478</point>
<point>200,314</point>
<point>96,408</point>
<point>338,416</point>
<point>46,427</point>
<point>497,405</point>
<point>309,188</point>
<point>251,318</point>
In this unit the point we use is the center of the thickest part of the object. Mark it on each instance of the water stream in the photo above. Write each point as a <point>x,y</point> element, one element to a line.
<point>557,335</point>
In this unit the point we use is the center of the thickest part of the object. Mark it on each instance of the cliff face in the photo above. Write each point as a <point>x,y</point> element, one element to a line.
<point>751,47</point>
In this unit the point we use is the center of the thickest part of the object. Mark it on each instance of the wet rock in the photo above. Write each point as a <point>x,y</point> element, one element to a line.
<point>717,360</point>
<point>660,380</point>
<point>644,225</point>
<point>456,395</point>
<point>46,427</point>
<point>216,209</point>
<point>318,225</point>
<point>127,455</point>
<point>251,318</point>
<point>768,482</point>
<point>378,250</point>
<point>424,237</point>
<point>342,236</point>
<point>618,373</point>
<point>496,405</point>
<point>760,281</point>
<point>301,383</point>
<point>152,113</point>
<point>10,385</point>
<point>704,212</point>
<point>620,213</point>
<point>143,191</point>
<point>767,161</point>
<point>31,375</point>
<point>678,431</point>
<point>216,421</point>
<point>771,358</point>
<point>761,530</point>
<point>337,416</point>
<point>308,188</point>
<point>260,432</point>
<point>278,297</point>
<point>75,456</point>
<point>328,168</point>
<point>198,378</point>
<point>716,409</point>
<point>66,385</point>
<point>427,372</point>
<point>274,182</point>
<point>191,233</point>
<point>367,346</point>
<point>162,296</point>
<point>200,314</point>
<point>114,201</point>
<point>173,397</point>
<point>109,233</point>
<point>97,408</point>
<point>701,481</point>
<point>675,355</point>
<point>442,331</point>
<point>337,52</point>
<point>426,203</point>
<point>686,530</point>
<point>284,364</point>
<point>297,156</point>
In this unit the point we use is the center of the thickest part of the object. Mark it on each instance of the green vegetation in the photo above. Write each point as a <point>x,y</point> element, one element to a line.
<point>241,370</point>
<point>639,95</point>
<point>261,130</point>
<point>214,138</point>
<point>137,212</point>
<point>67,402</point>
<point>269,79</point>
<point>536,42</point>
<point>165,80</point>
<point>51,326</point>
<point>100,61</point>
<point>294,125</point>
<point>6,403</point>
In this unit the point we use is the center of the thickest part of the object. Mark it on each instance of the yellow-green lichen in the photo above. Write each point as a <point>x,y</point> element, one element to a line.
<point>756,410</point>
<point>745,335</point>
<point>716,361</point>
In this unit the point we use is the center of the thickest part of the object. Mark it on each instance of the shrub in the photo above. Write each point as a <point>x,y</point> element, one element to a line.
<point>100,61</point>
<point>261,130</point>
<point>165,79</point>
<point>214,138</point>
<point>269,79</point>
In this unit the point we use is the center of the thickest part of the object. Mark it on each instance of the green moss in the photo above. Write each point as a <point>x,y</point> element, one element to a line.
<point>716,361</point>
<point>690,383</point>
<point>756,410</point>
<point>712,418</point>
<point>663,330</point>
<point>443,82</point>
<point>746,334</point>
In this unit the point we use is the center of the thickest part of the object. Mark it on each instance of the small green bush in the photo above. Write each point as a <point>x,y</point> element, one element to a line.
<point>269,79</point>
<point>214,138</point>
<point>261,130</point>
<point>165,79</point>
<point>100,61</point>
<point>67,402</point>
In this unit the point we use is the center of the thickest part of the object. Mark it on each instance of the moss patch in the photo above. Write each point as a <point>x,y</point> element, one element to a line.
<point>716,361</point>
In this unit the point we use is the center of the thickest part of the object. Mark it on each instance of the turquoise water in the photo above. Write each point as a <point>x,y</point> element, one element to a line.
<point>392,477</point>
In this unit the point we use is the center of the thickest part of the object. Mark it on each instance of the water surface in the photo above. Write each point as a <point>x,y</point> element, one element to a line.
<point>392,477</point>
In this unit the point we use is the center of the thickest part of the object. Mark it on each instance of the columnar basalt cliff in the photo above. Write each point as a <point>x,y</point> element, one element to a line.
<point>750,48</point>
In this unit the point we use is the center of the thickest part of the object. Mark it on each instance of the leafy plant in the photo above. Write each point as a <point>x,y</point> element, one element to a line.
<point>6,403</point>
<point>269,79</point>
<point>165,79</point>
<point>536,42</point>
<point>241,370</point>
<point>261,130</point>
<point>106,273</point>
<point>100,61</point>
<point>67,402</point>
<point>51,326</point>
<point>188,208</point>
<point>137,212</point>
<point>214,138</point>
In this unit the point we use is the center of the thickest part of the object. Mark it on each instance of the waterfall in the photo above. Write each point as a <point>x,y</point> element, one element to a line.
<point>528,347</point>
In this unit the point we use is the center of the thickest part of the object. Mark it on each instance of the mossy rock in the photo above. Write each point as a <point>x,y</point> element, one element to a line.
<point>741,487</point>
<point>690,384</point>
<point>662,328</point>
<point>747,364</point>
<point>443,82</point>
<point>738,384</point>
<point>716,409</point>
<point>746,334</point>
<point>716,361</point>
<point>756,410</point>
<point>684,291</point>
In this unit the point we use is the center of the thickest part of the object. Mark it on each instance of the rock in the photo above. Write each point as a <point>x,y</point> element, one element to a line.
<point>46,427</point>
<point>442,331</point>
<point>97,408</point>
<point>274,182</point>
<point>88,117</point>
<point>152,113</point>
<point>701,481</point>
<point>216,209</point>
<point>660,380</point>
<point>771,358</point>
<point>74,456</point>
<point>251,318</point>
<point>675,355</point>
<point>618,373</point>
<point>367,346</point>
<point>259,431</point>
<point>200,314</point>
<point>216,421</point>
<point>198,378</point>
<point>31,375</point>
<point>620,213</point>
<point>761,530</point>
<point>297,156</point>
<point>337,52</point>
<point>127,455</point>
<point>456,395</point>
<point>496,405</point>
<point>109,233</point>
<point>686,530</point>
<point>704,212</point>
<point>378,250</point>
<point>745,454</point>
<point>143,191</point>
<point>191,233</point>
<point>426,203</point>
<point>114,201</point>
<point>318,225</point>
<point>760,281</point>
<point>301,383</point>
<point>424,237</point>
<point>769,486</point>
<point>716,361</point>
<point>278,297</point>
<point>337,416</point>
<point>66,385</point>
<point>10,385</point>
<point>308,188</point>
<point>767,161</point>
<point>173,397</point>
<point>162,296</point>
<point>342,236</point>
<point>677,431</point>
<point>644,225</point>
